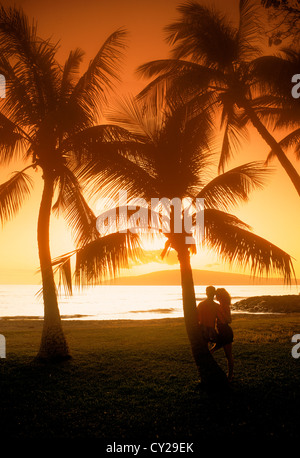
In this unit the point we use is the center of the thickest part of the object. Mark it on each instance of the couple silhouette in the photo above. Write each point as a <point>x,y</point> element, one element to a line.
<point>214,318</point>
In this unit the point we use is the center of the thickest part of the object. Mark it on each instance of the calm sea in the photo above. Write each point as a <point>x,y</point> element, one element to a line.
<point>109,302</point>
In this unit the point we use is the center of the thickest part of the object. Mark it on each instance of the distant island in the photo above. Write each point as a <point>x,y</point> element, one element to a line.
<point>201,277</point>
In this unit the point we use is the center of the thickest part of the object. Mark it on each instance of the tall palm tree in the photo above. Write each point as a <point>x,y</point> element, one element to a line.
<point>168,154</point>
<point>46,109</point>
<point>276,104</point>
<point>212,63</point>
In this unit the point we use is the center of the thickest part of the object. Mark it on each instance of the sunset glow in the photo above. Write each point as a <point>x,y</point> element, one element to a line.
<point>149,212</point>
<point>271,212</point>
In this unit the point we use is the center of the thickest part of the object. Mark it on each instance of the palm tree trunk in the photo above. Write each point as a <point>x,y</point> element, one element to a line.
<point>53,343</point>
<point>210,373</point>
<point>274,145</point>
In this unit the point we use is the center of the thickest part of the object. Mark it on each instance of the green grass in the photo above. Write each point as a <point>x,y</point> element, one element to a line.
<point>136,381</point>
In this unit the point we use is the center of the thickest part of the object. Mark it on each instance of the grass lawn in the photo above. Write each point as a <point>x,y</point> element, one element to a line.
<point>135,381</point>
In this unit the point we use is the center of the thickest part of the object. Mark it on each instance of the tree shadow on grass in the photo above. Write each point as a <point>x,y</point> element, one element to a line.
<point>121,396</point>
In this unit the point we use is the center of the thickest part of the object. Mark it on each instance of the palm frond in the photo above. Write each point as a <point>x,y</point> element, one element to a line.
<point>202,35</point>
<point>292,140</point>
<point>101,75</point>
<point>71,115</point>
<point>12,140</point>
<point>174,67</point>
<point>249,31</point>
<point>238,246</point>
<point>232,141</point>
<point>272,75</point>
<point>20,105</point>
<point>70,72</point>
<point>269,108</point>
<point>36,57</point>
<point>186,149</point>
<point>81,143</point>
<point>177,133</point>
<point>136,117</point>
<point>72,204</point>
<point>111,159</point>
<point>62,266</point>
<point>13,193</point>
<point>234,186</point>
<point>235,122</point>
<point>103,258</point>
<point>177,79</point>
<point>99,260</point>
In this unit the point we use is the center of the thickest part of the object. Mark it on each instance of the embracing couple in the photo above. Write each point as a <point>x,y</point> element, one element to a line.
<point>214,318</point>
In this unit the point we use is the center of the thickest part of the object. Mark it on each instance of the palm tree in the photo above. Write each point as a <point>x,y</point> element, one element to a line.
<point>46,109</point>
<point>98,260</point>
<point>213,63</point>
<point>276,105</point>
<point>168,154</point>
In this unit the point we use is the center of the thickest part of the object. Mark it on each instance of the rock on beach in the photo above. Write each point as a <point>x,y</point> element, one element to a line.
<point>269,304</point>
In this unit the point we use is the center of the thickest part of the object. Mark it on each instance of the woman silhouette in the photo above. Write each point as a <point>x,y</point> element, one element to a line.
<point>225,333</point>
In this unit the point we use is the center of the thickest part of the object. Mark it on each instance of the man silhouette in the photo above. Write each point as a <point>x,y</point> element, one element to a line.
<point>207,314</point>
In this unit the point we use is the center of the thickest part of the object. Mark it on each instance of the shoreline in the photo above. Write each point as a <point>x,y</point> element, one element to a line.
<point>134,320</point>
<point>255,305</point>
<point>140,322</point>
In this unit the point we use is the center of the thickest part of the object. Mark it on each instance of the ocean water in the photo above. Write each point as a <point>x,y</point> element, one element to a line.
<point>116,302</point>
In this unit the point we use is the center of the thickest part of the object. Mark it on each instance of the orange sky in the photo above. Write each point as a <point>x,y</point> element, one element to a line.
<point>272,213</point>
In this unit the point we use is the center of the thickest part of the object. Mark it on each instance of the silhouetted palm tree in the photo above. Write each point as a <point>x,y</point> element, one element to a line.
<point>276,104</point>
<point>46,109</point>
<point>168,154</point>
<point>212,63</point>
